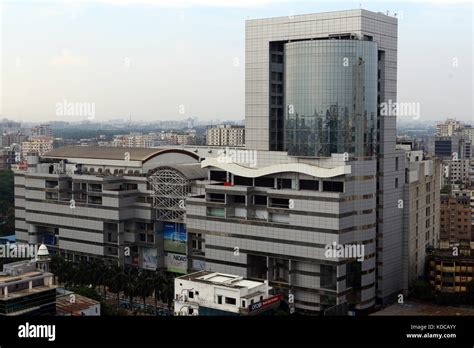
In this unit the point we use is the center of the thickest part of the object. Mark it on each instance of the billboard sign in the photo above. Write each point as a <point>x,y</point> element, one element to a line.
<point>149,258</point>
<point>174,237</point>
<point>176,263</point>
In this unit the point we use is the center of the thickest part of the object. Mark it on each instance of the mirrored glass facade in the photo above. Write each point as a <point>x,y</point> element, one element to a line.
<point>330,97</point>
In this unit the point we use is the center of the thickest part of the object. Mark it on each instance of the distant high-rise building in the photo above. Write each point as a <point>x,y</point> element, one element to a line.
<point>8,126</point>
<point>39,145</point>
<point>455,146</point>
<point>43,130</point>
<point>448,128</point>
<point>225,135</point>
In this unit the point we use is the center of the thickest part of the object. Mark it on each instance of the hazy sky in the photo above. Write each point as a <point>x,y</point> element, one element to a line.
<point>160,60</point>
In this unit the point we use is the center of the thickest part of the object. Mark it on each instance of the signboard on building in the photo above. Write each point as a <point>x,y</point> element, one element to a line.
<point>149,258</point>
<point>265,303</point>
<point>174,237</point>
<point>176,263</point>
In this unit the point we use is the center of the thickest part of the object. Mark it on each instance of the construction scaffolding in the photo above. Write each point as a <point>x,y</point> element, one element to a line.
<point>170,188</point>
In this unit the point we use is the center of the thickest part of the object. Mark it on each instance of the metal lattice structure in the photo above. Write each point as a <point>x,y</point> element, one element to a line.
<point>170,188</point>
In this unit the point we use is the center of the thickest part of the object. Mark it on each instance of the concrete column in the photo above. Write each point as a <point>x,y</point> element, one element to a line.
<point>5,292</point>
<point>30,285</point>
<point>268,271</point>
<point>290,269</point>
<point>320,185</point>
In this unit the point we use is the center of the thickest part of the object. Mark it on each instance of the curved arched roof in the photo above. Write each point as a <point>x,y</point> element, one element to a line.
<point>189,171</point>
<point>114,153</point>
<point>302,168</point>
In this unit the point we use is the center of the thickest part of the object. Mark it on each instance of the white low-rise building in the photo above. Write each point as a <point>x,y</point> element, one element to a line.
<point>212,293</point>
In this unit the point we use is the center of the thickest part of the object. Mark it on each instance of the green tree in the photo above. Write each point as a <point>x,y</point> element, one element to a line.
<point>86,291</point>
<point>115,280</point>
<point>7,198</point>
<point>130,286</point>
<point>144,286</point>
<point>167,292</point>
<point>470,292</point>
<point>158,285</point>
<point>422,290</point>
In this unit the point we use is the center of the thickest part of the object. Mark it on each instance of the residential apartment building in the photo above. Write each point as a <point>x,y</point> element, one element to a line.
<point>468,133</point>
<point>455,222</point>
<point>225,135</point>
<point>448,128</point>
<point>39,145</point>
<point>459,172</point>
<point>469,193</point>
<point>134,140</point>
<point>448,273</point>
<point>421,210</point>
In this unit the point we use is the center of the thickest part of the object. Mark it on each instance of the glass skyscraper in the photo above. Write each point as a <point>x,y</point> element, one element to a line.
<point>330,97</point>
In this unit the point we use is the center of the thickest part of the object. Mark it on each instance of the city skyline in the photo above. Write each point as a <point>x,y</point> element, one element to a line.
<point>156,66</point>
<point>220,159</point>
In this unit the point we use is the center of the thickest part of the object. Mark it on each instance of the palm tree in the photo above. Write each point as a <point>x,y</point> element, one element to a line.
<point>144,286</point>
<point>158,283</point>
<point>130,286</point>
<point>115,280</point>
<point>99,274</point>
<point>167,292</point>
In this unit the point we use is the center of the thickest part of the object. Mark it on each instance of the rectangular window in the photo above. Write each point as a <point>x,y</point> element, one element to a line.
<point>328,277</point>
<point>260,200</point>
<point>309,185</point>
<point>230,300</point>
<point>333,186</point>
<point>219,299</point>
<point>219,212</point>
<point>240,180</point>
<point>265,182</point>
